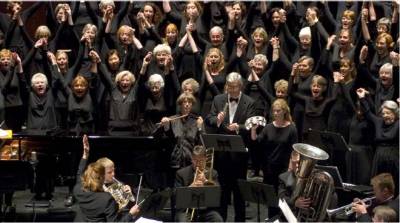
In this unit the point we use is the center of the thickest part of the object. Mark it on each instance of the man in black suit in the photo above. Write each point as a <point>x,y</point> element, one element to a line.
<point>185,178</point>
<point>228,114</point>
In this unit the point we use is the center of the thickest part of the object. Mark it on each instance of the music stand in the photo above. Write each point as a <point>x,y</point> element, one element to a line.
<point>258,193</point>
<point>334,172</point>
<point>334,141</point>
<point>198,197</point>
<point>223,143</point>
<point>154,201</point>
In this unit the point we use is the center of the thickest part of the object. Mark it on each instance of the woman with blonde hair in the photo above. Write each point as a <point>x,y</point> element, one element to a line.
<point>377,54</point>
<point>277,138</point>
<point>259,43</point>
<point>213,79</point>
<point>95,204</point>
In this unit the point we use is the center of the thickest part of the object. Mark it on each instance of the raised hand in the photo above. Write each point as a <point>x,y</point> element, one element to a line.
<point>294,69</point>
<point>94,56</point>
<point>330,41</point>
<point>39,43</point>
<point>361,92</point>
<point>16,58</point>
<point>51,57</point>
<point>363,54</point>
<point>338,77</point>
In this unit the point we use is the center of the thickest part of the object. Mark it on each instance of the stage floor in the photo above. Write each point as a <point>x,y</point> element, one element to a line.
<point>57,212</point>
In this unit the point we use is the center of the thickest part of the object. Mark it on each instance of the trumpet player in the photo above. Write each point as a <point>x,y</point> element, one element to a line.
<point>194,176</point>
<point>383,187</point>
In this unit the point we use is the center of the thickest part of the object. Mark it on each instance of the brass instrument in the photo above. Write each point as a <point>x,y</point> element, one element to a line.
<point>310,183</point>
<point>116,190</point>
<point>347,209</point>
<point>205,168</point>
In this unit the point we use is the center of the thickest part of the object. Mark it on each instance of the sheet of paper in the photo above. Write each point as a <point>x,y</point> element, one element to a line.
<point>146,220</point>
<point>287,211</point>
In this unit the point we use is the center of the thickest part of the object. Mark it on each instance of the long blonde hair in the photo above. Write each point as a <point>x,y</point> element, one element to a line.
<point>221,64</point>
<point>282,104</point>
<point>93,178</point>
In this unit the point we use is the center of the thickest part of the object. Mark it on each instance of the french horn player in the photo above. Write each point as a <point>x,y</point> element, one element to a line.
<point>122,193</point>
<point>197,175</point>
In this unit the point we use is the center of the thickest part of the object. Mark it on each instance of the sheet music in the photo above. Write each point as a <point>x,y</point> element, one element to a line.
<point>146,220</point>
<point>287,211</point>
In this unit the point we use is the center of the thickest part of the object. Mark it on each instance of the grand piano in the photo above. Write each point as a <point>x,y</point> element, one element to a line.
<point>132,155</point>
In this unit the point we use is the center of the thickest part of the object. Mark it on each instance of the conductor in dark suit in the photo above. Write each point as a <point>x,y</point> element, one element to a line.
<point>185,177</point>
<point>228,114</point>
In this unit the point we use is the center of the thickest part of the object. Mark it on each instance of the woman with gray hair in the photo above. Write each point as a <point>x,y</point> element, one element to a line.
<point>41,110</point>
<point>386,125</point>
<point>124,108</point>
<point>386,86</point>
<point>157,100</point>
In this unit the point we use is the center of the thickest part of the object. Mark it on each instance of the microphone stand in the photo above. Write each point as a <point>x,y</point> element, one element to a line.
<point>34,162</point>
<point>33,203</point>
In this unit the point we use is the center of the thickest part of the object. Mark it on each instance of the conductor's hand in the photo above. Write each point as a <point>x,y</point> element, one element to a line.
<point>302,202</point>
<point>199,122</point>
<point>134,210</point>
<point>220,118</point>
<point>234,127</point>
<point>86,147</point>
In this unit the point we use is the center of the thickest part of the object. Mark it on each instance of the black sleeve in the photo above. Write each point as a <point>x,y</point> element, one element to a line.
<point>27,13</point>
<point>96,19</point>
<point>81,169</point>
<point>368,113</point>
<point>105,77</point>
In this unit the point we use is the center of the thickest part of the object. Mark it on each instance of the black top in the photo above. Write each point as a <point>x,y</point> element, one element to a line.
<point>384,134</point>
<point>97,206</point>
<point>277,142</point>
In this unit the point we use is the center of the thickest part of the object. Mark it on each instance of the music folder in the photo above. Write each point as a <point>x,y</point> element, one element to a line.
<point>198,197</point>
<point>223,143</point>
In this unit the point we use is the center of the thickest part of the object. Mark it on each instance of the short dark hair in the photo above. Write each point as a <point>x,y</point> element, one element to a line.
<point>199,150</point>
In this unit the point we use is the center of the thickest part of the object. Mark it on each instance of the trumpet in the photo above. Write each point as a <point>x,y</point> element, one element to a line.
<point>347,209</point>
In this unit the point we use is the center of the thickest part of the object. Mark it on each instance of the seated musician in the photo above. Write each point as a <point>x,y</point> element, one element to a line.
<point>383,186</point>
<point>94,203</point>
<point>125,198</point>
<point>287,185</point>
<point>186,177</point>
<point>384,213</point>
